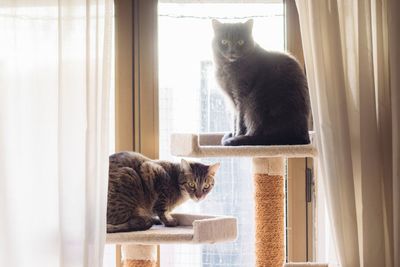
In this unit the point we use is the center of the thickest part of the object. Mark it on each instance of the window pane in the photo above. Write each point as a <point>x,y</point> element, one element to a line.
<point>190,101</point>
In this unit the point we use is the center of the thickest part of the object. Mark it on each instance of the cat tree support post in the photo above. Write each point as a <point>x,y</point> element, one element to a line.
<point>269,192</point>
<point>139,255</point>
<point>268,178</point>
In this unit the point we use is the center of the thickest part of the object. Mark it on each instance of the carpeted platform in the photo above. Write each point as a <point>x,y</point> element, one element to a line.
<point>192,228</point>
<point>209,145</point>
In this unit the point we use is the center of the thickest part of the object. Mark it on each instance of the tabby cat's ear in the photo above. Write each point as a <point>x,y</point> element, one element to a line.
<point>185,166</point>
<point>249,24</point>
<point>212,169</point>
<point>216,24</point>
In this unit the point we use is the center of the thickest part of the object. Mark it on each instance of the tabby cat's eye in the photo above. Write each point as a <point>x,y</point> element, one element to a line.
<point>240,42</point>
<point>224,42</point>
<point>191,184</point>
<point>206,186</point>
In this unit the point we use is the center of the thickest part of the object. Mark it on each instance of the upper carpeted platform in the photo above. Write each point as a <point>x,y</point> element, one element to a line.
<point>209,145</point>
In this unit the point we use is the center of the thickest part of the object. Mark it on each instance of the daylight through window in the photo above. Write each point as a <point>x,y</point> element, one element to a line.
<point>190,101</point>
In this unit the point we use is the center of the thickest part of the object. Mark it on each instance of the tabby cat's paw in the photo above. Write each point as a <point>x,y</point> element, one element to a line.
<point>171,222</point>
<point>156,221</point>
<point>225,137</point>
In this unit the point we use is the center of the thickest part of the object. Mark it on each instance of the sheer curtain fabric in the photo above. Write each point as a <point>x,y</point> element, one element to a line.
<point>55,59</point>
<point>352,58</point>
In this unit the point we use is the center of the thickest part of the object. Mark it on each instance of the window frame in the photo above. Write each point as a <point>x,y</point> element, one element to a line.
<point>136,108</point>
<point>136,85</point>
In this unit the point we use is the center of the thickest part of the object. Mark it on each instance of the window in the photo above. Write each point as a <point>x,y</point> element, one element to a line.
<point>184,97</point>
<point>190,101</point>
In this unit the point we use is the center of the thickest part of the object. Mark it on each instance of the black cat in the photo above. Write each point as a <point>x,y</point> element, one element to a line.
<point>268,90</point>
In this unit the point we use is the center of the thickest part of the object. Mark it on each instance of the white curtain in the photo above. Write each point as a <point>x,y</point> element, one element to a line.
<point>55,59</point>
<point>352,59</point>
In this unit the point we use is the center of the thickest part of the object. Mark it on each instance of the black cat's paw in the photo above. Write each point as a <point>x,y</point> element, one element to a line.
<point>233,141</point>
<point>171,222</point>
<point>225,137</point>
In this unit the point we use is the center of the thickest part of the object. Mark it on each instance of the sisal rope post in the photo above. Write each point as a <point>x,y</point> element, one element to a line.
<point>139,256</point>
<point>268,176</point>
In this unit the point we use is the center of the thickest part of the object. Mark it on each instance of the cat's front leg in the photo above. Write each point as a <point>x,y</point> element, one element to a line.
<point>238,121</point>
<point>229,134</point>
<point>238,129</point>
<point>240,125</point>
<point>167,219</point>
<point>160,208</point>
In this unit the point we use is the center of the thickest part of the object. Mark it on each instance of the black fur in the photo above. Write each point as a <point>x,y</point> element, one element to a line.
<point>268,90</point>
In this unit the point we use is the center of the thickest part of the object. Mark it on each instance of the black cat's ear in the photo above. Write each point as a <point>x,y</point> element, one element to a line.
<point>185,166</point>
<point>249,24</point>
<point>216,24</point>
<point>212,169</point>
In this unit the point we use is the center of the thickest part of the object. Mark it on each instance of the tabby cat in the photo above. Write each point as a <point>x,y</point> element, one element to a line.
<point>140,188</point>
<point>268,90</point>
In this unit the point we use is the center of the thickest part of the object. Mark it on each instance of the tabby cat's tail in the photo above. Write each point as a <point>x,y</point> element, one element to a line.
<point>135,224</point>
<point>115,228</point>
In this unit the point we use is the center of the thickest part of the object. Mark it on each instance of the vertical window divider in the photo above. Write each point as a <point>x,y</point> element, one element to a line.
<point>145,76</point>
<point>301,215</point>
<point>124,126</point>
<point>136,88</point>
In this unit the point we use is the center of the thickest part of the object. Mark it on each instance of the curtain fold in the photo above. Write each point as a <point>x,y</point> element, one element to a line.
<point>393,7</point>
<point>350,57</point>
<point>55,77</point>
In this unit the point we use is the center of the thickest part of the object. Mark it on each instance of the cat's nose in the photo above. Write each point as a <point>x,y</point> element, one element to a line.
<point>198,195</point>
<point>233,55</point>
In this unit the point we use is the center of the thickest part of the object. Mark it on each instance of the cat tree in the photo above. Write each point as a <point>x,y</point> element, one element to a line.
<point>140,248</point>
<point>268,164</point>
